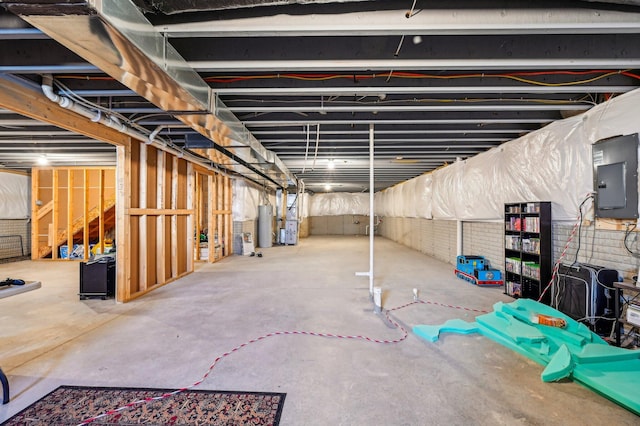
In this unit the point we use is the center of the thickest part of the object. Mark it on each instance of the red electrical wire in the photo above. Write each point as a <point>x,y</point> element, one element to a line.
<point>405,333</point>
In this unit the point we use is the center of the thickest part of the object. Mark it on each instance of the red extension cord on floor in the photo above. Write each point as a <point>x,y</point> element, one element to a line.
<point>405,333</point>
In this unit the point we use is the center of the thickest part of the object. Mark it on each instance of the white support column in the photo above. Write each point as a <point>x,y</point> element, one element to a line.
<point>459,238</point>
<point>371,208</point>
<point>371,213</point>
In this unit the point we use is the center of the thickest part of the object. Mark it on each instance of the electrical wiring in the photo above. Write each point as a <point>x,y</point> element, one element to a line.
<point>517,76</point>
<point>580,228</point>
<point>556,266</point>
<point>629,229</point>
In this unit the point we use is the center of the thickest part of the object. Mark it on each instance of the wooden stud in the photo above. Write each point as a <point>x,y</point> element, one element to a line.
<point>174,218</point>
<point>123,202</point>
<point>35,222</point>
<point>86,207</point>
<point>142,236</point>
<point>101,212</point>
<point>161,250</point>
<point>69,230</point>
<point>191,238</point>
<point>53,233</point>
<point>211,180</point>
<point>228,242</point>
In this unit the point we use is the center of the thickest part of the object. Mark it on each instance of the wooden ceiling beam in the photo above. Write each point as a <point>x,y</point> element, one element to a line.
<point>30,103</point>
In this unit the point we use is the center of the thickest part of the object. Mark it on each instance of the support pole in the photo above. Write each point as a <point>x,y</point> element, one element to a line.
<point>371,214</point>
<point>371,211</point>
<point>459,237</point>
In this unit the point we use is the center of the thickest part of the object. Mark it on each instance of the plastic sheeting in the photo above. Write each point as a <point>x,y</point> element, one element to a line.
<point>14,196</point>
<point>246,200</point>
<point>339,203</point>
<point>552,164</point>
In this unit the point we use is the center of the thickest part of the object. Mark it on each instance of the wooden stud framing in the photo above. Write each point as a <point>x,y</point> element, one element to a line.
<point>86,207</point>
<point>35,222</point>
<point>53,233</point>
<point>142,219</point>
<point>123,226</point>
<point>161,248</point>
<point>192,237</point>
<point>174,218</point>
<point>65,213</point>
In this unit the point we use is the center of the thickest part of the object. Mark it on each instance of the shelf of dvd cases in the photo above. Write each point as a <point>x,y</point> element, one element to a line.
<point>527,248</point>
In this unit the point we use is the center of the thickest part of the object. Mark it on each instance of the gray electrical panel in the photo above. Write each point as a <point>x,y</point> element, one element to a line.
<point>615,177</point>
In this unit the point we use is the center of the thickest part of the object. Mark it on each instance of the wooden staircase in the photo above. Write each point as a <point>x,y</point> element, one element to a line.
<point>108,218</point>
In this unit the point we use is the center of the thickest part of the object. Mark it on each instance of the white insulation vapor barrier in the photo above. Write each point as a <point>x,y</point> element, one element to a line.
<point>14,196</point>
<point>246,200</point>
<point>339,203</point>
<point>551,164</point>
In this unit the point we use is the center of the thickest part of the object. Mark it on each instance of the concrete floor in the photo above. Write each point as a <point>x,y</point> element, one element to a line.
<point>169,338</point>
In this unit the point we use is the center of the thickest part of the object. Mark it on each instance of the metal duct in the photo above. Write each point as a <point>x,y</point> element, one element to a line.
<point>114,36</point>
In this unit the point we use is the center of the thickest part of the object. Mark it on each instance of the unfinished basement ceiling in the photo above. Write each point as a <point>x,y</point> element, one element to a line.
<point>305,80</point>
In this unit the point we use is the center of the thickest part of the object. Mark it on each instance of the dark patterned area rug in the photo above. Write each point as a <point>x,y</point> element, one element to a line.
<point>71,405</point>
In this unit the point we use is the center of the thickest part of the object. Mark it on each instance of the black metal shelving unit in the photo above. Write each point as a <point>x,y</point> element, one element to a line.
<point>527,242</point>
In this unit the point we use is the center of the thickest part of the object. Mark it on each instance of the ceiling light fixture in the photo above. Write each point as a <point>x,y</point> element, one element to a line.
<point>43,160</point>
<point>327,187</point>
<point>331,165</point>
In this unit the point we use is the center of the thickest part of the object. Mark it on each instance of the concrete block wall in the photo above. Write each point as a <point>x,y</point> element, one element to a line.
<point>484,239</point>
<point>436,238</point>
<point>338,225</point>
<point>240,228</point>
<point>598,247</point>
<point>21,227</point>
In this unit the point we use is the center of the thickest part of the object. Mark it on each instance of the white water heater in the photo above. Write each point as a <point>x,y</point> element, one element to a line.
<point>265,226</point>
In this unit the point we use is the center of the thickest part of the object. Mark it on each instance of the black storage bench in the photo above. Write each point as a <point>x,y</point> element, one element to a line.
<point>98,278</point>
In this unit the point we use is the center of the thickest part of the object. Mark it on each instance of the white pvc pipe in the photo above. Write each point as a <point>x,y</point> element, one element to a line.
<point>459,238</point>
<point>371,212</point>
<point>114,123</point>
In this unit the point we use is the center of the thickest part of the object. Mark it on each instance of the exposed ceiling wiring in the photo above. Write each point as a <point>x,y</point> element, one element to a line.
<point>516,76</point>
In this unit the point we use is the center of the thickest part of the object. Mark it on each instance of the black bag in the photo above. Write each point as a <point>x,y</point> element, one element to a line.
<point>586,293</point>
<point>11,281</point>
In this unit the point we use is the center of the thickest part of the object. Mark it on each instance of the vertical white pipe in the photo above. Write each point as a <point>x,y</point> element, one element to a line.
<point>371,209</point>
<point>459,238</point>
<point>459,229</point>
